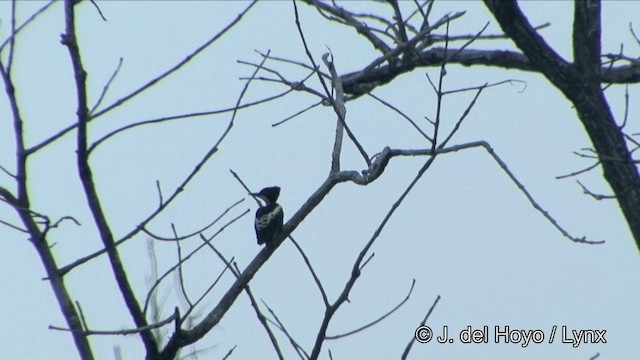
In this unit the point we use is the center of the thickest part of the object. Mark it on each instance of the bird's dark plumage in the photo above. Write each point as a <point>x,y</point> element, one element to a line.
<point>269,218</point>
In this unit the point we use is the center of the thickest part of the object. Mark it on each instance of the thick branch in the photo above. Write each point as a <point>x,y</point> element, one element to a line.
<point>586,38</point>
<point>69,39</point>
<point>359,83</point>
<point>580,83</point>
<point>20,202</point>
<point>516,25</point>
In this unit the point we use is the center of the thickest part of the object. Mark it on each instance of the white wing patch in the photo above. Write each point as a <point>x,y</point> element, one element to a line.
<point>264,220</point>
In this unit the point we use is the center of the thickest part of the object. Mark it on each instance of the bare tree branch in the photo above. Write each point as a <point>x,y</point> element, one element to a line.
<point>105,89</point>
<point>196,232</point>
<point>301,352</point>
<point>580,83</point>
<point>121,332</point>
<point>16,30</point>
<point>178,190</point>
<point>263,319</point>
<point>405,353</point>
<point>364,327</point>
<point>86,177</point>
<point>186,258</point>
<point>316,279</point>
<point>183,116</point>
<point>183,291</point>
<point>148,85</point>
<point>340,112</point>
<point>14,227</point>
<point>348,18</point>
<point>413,123</point>
<point>229,352</point>
<point>297,113</point>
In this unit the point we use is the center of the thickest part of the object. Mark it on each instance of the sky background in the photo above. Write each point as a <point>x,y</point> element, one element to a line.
<point>465,232</point>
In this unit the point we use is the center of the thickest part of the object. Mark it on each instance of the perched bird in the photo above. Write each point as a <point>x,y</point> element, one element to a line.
<point>268,217</point>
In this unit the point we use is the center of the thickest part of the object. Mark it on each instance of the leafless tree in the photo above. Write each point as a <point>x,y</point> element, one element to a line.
<point>405,41</point>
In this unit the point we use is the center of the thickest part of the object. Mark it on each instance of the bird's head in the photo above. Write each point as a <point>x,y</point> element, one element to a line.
<point>269,194</point>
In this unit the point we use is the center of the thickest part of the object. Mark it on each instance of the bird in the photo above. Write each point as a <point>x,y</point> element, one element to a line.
<point>269,217</point>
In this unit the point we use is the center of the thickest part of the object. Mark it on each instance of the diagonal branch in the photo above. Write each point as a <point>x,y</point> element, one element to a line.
<point>185,337</point>
<point>263,319</point>
<point>178,190</point>
<point>183,116</point>
<point>301,352</point>
<point>340,112</point>
<point>184,259</point>
<point>348,18</point>
<point>148,85</point>
<point>31,18</point>
<point>69,39</point>
<point>405,353</point>
<point>364,327</point>
<point>516,25</point>
<point>313,273</point>
<point>355,272</point>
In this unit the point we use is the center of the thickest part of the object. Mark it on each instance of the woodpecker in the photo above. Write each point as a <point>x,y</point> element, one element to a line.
<point>269,217</point>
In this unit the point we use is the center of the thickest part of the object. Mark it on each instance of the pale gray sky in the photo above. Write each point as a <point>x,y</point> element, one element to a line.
<point>465,232</point>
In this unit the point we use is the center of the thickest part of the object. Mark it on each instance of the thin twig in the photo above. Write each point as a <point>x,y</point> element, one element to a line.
<point>385,103</point>
<point>229,352</point>
<point>183,291</point>
<point>297,114</point>
<point>532,201</point>
<point>487,85</point>
<point>12,41</point>
<point>99,11</point>
<point>196,232</point>
<point>215,282</point>
<point>160,199</point>
<point>355,272</point>
<point>297,63</point>
<point>107,85</point>
<point>14,226</point>
<point>594,195</point>
<point>7,172</point>
<point>345,17</point>
<point>406,298</point>
<point>326,89</point>
<point>440,96</point>
<point>588,168</point>
<point>633,33</point>
<point>186,258</point>
<point>177,191</point>
<point>301,352</point>
<point>24,24</point>
<point>626,106</point>
<point>83,320</point>
<point>208,290</point>
<point>138,330</point>
<point>235,175</point>
<point>341,110</point>
<point>405,353</point>
<point>316,279</point>
<point>149,84</point>
<point>466,112</point>
<point>260,316</point>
